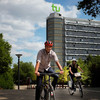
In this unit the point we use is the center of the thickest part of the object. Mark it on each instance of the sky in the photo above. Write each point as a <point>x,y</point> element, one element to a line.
<point>23,24</point>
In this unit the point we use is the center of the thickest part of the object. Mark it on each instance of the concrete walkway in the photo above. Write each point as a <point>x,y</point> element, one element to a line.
<point>17,94</point>
<point>24,87</point>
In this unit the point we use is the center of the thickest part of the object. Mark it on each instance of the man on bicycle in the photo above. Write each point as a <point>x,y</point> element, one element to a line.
<point>43,63</point>
<point>73,68</point>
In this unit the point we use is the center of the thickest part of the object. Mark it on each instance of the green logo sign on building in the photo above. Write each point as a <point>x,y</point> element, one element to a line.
<point>54,8</point>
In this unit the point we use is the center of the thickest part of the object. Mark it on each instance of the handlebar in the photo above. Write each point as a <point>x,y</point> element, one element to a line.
<point>49,74</point>
<point>78,74</point>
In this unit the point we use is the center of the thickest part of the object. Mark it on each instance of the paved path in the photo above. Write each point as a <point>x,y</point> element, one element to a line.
<point>61,94</point>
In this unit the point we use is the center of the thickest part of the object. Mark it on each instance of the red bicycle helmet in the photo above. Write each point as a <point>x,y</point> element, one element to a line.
<point>48,43</point>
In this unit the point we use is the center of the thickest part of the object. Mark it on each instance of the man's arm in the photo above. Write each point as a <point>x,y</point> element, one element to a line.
<point>60,67</point>
<point>36,68</point>
<point>38,63</point>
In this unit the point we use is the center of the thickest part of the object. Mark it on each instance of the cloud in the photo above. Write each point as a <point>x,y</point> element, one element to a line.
<point>72,12</point>
<point>19,20</point>
<point>34,45</point>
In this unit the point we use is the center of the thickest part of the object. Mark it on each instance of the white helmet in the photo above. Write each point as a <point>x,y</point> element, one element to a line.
<point>73,59</point>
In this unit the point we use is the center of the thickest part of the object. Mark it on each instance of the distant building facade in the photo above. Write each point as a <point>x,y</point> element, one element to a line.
<point>73,38</point>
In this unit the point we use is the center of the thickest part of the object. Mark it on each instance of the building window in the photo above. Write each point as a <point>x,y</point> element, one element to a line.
<point>98,35</point>
<point>73,45</point>
<point>87,52</point>
<point>69,58</point>
<point>81,40</point>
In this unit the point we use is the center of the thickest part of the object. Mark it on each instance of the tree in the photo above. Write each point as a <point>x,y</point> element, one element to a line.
<point>5,58</point>
<point>90,7</point>
<point>26,70</point>
<point>6,79</point>
<point>94,70</point>
<point>86,75</point>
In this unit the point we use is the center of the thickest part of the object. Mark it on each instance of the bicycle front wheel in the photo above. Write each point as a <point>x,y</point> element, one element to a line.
<point>80,90</point>
<point>44,93</point>
<point>70,91</point>
<point>51,93</point>
<point>69,88</point>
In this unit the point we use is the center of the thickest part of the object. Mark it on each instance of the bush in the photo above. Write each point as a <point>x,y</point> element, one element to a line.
<point>6,81</point>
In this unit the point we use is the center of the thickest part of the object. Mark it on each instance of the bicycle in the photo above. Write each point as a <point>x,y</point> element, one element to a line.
<point>77,85</point>
<point>47,90</point>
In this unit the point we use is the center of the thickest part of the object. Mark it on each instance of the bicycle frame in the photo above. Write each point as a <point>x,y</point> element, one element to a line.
<point>77,84</point>
<point>47,87</point>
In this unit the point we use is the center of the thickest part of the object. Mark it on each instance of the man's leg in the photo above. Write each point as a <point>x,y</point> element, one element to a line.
<point>55,76</point>
<point>39,82</point>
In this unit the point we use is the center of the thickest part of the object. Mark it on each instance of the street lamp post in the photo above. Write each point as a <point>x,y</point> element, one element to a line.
<point>18,55</point>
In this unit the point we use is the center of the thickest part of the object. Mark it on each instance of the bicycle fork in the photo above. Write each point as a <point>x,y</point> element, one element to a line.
<point>51,91</point>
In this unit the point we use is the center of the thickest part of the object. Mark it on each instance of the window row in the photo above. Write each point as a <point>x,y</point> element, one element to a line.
<point>56,38</point>
<point>82,52</point>
<point>82,39</point>
<point>77,57</point>
<point>54,19</point>
<point>55,26</point>
<point>78,27</point>
<point>59,50</point>
<point>58,44</point>
<point>55,32</point>
<point>82,45</point>
<point>75,33</point>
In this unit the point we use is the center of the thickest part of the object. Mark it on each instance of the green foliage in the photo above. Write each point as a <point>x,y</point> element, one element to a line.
<point>91,68</point>
<point>63,77</point>
<point>6,80</point>
<point>85,76</point>
<point>90,7</point>
<point>93,64</point>
<point>26,70</point>
<point>69,62</point>
<point>5,58</point>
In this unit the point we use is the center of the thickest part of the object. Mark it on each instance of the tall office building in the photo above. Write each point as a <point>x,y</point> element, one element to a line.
<point>55,33</point>
<point>73,38</point>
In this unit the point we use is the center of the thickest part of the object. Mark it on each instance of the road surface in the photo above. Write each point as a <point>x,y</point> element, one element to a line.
<point>61,94</point>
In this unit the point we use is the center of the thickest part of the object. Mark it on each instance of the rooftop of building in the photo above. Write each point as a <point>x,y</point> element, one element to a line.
<point>74,20</point>
<point>55,14</point>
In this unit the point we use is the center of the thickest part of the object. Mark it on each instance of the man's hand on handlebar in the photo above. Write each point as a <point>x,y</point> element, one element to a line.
<point>37,73</point>
<point>61,72</point>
